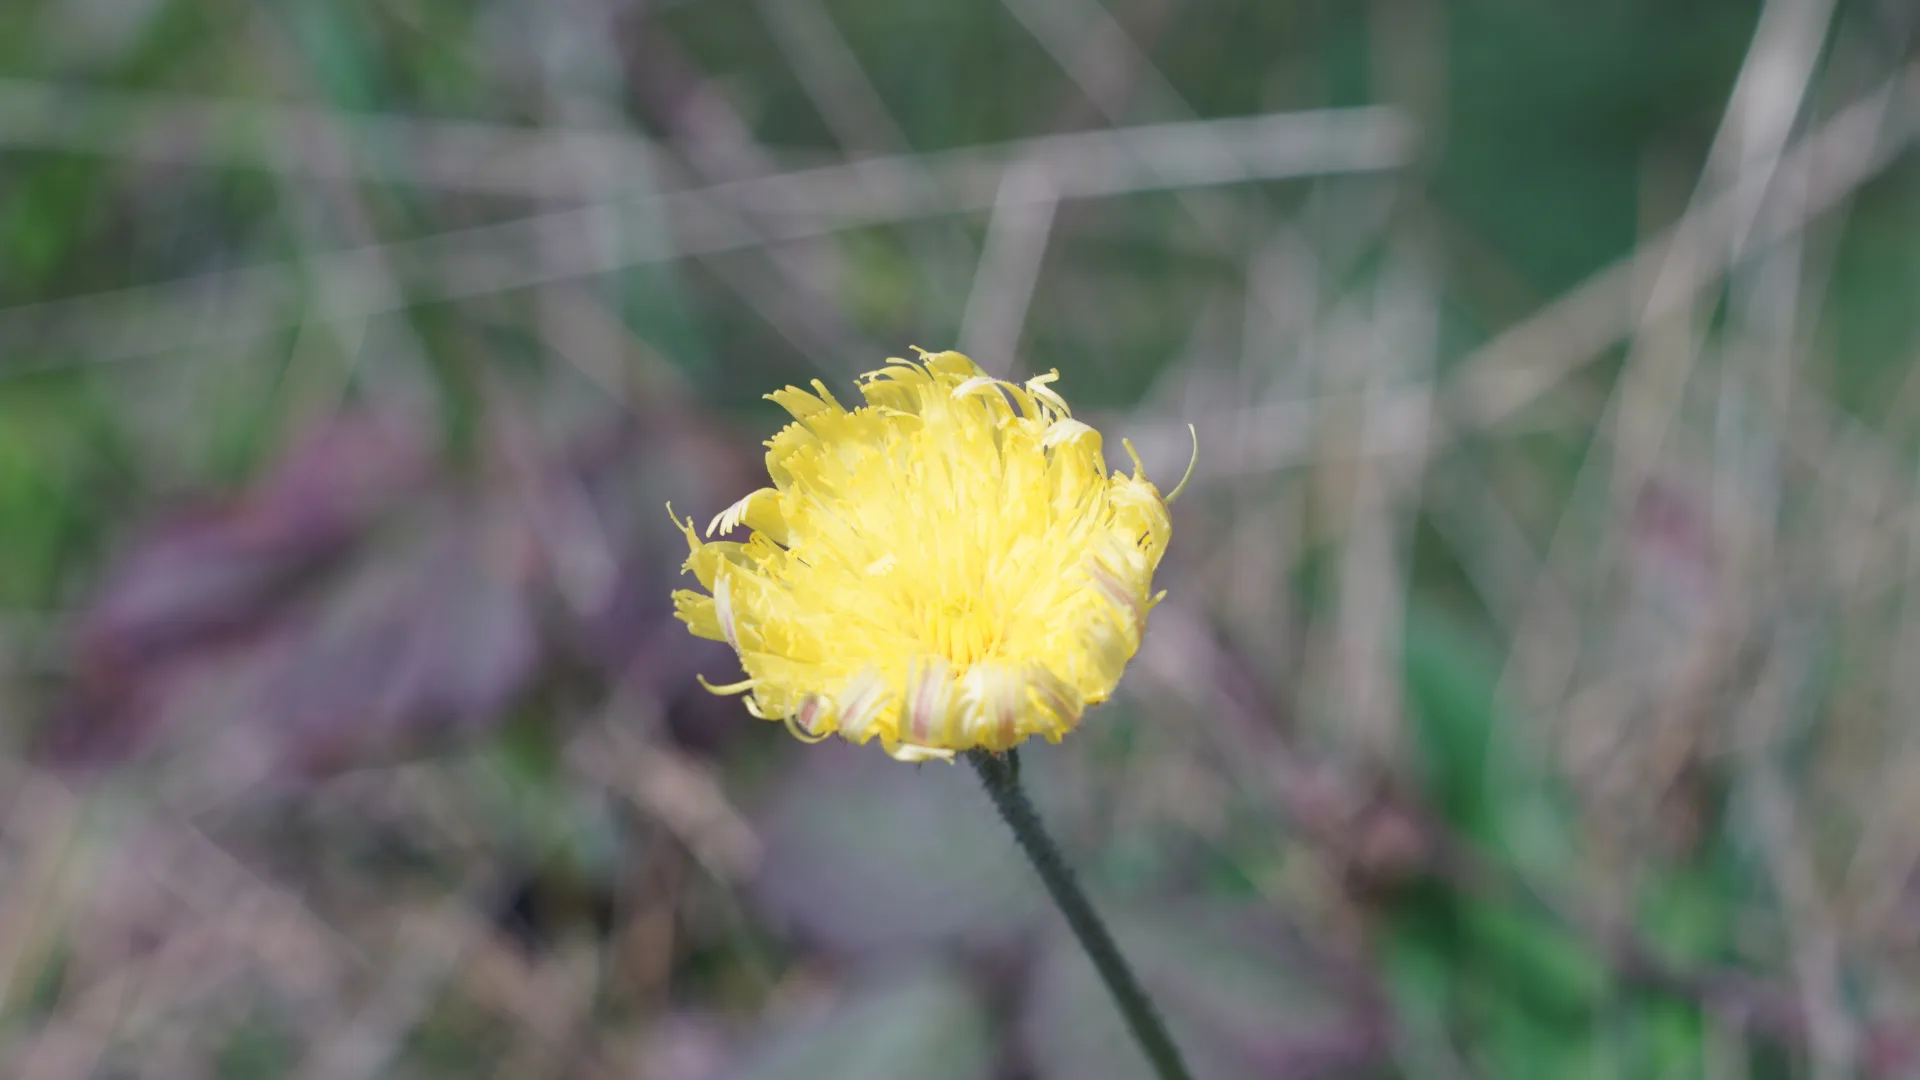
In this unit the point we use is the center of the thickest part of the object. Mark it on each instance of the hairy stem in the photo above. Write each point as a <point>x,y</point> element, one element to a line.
<point>1000,773</point>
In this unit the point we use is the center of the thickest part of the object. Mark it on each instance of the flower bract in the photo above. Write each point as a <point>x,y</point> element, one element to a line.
<point>946,567</point>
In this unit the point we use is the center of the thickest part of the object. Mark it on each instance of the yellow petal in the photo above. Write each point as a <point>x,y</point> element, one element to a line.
<point>913,755</point>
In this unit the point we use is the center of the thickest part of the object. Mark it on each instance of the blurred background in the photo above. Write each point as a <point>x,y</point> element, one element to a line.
<point>1535,691</point>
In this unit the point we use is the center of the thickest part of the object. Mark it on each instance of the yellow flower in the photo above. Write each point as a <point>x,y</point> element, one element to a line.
<point>947,567</point>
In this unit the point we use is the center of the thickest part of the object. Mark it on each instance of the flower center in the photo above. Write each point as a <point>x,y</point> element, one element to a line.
<point>960,628</point>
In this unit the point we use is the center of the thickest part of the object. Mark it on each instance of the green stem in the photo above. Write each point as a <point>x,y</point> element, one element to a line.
<point>1000,773</point>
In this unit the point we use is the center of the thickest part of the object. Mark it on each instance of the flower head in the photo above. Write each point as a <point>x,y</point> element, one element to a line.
<point>947,567</point>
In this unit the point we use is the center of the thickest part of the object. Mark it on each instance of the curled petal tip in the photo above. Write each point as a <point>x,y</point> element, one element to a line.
<point>973,385</point>
<point>1191,462</point>
<point>727,689</point>
<point>797,731</point>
